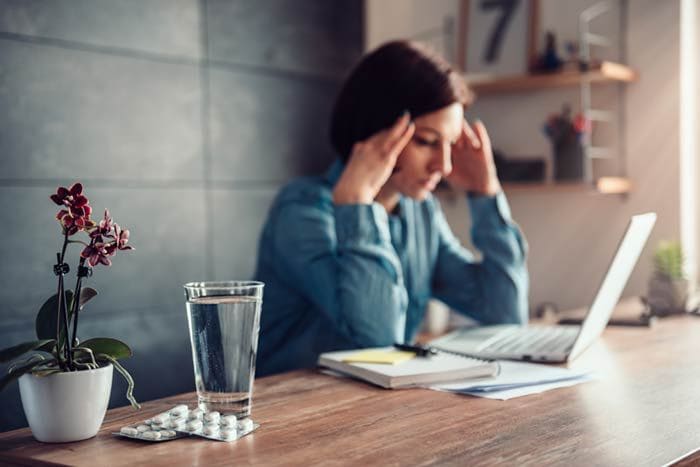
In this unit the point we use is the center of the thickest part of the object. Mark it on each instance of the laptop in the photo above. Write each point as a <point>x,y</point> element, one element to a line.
<point>558,343</point>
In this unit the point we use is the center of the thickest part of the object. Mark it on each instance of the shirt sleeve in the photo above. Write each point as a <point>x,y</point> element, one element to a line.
<point>342,260</point>
<point>493,290</point>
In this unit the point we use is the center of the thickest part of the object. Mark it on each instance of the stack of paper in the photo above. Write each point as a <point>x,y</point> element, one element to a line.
<point>518,379</point>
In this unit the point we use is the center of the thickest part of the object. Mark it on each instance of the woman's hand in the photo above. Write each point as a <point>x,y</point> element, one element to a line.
<point>371,163</point>
<point>473,168</point>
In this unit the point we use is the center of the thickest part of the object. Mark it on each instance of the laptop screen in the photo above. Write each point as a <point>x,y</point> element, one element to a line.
<point>623,263</point>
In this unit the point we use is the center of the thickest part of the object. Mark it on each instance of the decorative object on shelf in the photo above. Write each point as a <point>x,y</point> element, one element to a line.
<point>65,383</point>
<point>565,134</point>
<point>497,37</point>
<point>668,286</point>
<point>549,61</point>
<point>571,62</point>
<point>519,169</point>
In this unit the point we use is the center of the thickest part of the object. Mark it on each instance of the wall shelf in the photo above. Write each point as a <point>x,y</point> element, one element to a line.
<point>604,185</point>
<point>606,72</point>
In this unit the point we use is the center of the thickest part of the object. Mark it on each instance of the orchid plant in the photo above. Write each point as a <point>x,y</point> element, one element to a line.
<point>57,348</point>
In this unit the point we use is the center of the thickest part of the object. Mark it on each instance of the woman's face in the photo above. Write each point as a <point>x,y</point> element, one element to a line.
<point>428,156</point>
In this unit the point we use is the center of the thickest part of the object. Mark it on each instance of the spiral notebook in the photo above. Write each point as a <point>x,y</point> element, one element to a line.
<point>416,371</point>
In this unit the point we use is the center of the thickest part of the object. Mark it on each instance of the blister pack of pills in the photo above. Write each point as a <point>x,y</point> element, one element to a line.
<point>180,422</point>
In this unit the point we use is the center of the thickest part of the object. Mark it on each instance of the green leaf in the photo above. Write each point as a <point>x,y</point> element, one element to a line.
<point>46,319</point>
<point>11,353</point>
<point>108,346</point>
<point>19,371</point>
<point>49,347</point>
<point>86,294</point>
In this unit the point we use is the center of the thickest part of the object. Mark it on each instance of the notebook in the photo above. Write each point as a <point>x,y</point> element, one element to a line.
<point>417,371</point>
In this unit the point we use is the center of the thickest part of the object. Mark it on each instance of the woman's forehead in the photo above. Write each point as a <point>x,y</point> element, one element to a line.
<point>446,122</point>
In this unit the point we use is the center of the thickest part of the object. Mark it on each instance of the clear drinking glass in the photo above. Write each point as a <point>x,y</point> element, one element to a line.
<point>224,320</point>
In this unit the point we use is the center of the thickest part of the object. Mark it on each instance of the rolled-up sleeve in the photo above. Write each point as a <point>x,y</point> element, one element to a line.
<point>494,289</point>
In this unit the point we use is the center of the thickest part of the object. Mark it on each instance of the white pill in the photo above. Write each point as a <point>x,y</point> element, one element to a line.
<point>151,435</point>
<point>228,434</point>
<point>148,421</point>
<point>212,417</point>
<point>228,421</point>
<point>211,430</point>
<point>142,428</point>
<point>129,430</point>
<point>161,418</point>
<point>196,414</point>
<point>168,434</point>
<point>194,425</point>
<point>177,422</point>
<point>245,425</point>
<point>179,410</point>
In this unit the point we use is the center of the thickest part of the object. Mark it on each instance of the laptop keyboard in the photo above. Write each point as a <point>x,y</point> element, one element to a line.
<point>554,339</point>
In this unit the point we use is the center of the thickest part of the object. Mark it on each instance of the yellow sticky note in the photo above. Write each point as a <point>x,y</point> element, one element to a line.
<point>389,357</point>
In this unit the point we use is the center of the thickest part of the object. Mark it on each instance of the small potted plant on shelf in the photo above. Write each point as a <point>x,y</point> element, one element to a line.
<point>668,286</point>
<point>64,382</point>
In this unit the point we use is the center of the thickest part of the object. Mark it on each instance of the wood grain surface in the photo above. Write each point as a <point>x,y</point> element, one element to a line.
<point>644,410</point>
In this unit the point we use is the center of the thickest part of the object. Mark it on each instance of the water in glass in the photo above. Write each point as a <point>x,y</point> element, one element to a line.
<point>224,336</point>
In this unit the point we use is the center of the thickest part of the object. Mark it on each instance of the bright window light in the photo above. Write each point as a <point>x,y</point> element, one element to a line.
<point>689,129</point>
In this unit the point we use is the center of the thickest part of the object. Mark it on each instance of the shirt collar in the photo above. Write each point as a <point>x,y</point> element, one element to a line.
<point>333,173</point>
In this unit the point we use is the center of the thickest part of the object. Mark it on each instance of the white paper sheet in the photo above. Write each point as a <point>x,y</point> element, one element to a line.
<point>518,379</point>
<point>527,390</point>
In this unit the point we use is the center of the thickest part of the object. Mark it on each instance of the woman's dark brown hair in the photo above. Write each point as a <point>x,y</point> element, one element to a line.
<point>398,76</point>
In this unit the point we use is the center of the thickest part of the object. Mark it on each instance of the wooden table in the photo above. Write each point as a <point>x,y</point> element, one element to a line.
<point>644,410</point>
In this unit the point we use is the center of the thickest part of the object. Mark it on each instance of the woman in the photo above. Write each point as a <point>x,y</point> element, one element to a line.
<point>350,259</point>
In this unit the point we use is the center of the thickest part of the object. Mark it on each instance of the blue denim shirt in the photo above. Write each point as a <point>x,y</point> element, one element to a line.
<point>352,276</point>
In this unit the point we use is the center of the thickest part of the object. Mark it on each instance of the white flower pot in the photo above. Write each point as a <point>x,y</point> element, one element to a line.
<point>65,407</point>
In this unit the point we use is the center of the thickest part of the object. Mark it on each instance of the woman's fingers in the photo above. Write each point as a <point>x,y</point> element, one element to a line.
<point>399,127</point>
<point>471,136</point>
<point>388,138</point>
<point>482,134</point>
<point>403,140</point>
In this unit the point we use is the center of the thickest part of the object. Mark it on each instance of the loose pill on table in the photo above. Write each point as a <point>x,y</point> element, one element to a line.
<point>245,425</point>
<point>228,421</point>
<point>151,435</point>
<point>179,410</point>
<point>142,428</point>
<point>194,425</point>
<point>212,417</point>
<point>129,430</point>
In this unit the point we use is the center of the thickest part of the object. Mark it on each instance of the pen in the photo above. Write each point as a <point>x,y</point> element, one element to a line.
<point>419,350</point>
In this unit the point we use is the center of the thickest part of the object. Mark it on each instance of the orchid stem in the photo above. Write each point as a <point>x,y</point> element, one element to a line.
<point>76,301</point>
<point>76,308</point>
<point>62,321</point>
<point>59,315</point>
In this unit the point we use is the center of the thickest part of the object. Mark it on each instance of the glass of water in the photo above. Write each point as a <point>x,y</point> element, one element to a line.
<point>224,319</point>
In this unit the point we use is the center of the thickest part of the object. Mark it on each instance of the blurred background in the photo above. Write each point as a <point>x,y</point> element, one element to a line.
<point>185,117</point>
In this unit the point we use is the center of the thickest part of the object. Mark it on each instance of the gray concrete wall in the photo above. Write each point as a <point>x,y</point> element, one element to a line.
<point>181,117</point>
